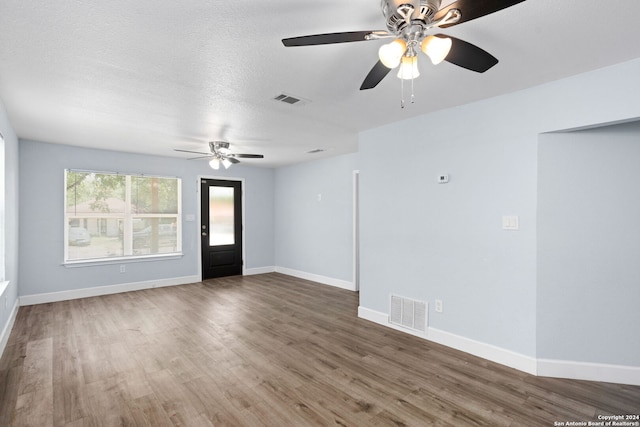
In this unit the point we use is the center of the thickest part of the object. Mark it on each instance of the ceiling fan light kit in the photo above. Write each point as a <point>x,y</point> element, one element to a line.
<point>408,68</point>
<point>409,22</point>
<point>390,54</point>
<point>436,48</point>
<point>221,154</point>
<point>215,163</point>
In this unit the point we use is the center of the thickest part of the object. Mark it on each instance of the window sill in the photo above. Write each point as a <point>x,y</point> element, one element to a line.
<point>127,260</point>
<point>3,286</point>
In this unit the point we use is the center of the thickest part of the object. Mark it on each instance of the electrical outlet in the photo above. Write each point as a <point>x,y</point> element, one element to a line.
<point>123,268</point>
<point>438,306</point>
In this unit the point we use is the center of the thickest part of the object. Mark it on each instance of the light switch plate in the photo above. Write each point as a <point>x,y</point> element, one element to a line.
<point>510,222</point>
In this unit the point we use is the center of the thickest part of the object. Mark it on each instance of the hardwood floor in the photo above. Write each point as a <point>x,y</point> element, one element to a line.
<point>263,350</point>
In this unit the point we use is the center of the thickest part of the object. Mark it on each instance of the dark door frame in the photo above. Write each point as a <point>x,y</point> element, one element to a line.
<point>199,218</point>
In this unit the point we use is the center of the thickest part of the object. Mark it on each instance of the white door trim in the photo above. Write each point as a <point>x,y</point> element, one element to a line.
<point>356,230</point>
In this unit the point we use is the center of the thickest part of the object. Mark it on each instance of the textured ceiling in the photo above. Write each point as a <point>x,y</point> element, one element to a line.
<point>150,76</point>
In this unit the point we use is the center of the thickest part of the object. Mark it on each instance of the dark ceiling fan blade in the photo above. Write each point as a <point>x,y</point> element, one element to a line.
<point>233,160</point>
<point>472,9</point>
<point>329,38</point>
<point>192,152</point>
<point>247,156</point>
<point>469,56</point>
<point>375,76</point>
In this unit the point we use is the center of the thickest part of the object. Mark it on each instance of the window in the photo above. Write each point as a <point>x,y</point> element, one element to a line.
<point>111,216</point>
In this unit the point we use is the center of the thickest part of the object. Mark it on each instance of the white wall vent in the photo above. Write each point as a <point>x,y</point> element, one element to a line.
<point>408,313</point>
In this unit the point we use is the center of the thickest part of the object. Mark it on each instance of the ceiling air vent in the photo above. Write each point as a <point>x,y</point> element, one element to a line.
<point>290,99</point>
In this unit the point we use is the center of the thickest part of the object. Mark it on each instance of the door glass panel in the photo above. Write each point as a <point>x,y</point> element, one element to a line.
<point>221,213</point>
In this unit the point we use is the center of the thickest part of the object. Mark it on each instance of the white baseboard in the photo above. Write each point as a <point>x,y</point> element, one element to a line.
<point>541,367</point>
<point>317,278</point>
<point>104,290</point>
<point>619,374</point>
<point>4,338</point>
<point>491,352</point>
<point>486,351</point>
<point>259,270</point>
<point>136,286</point>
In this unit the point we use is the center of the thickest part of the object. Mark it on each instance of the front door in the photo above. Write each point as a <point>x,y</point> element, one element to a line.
<point>221,228</point>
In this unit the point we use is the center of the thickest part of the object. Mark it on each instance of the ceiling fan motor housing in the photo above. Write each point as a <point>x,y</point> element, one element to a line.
<point>396,12</point>
<point>217,145</point>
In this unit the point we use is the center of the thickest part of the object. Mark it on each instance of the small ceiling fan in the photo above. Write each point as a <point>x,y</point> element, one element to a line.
<point>220,154</point>
<point>408,23</point>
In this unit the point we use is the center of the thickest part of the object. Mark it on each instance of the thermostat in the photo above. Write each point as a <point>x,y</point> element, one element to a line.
<point>443,178</point>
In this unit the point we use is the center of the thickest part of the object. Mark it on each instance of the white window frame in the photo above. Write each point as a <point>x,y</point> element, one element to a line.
<point>2,215</point>
<point>127,217</point>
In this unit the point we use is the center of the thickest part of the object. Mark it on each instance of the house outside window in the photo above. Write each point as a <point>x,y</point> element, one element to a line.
<point>112,216</point>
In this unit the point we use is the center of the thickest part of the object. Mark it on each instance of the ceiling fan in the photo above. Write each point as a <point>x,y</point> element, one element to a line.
<point>408,23</point>
<point>221,154</point>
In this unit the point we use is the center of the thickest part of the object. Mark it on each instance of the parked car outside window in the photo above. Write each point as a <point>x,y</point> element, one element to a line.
<point>79,236</point>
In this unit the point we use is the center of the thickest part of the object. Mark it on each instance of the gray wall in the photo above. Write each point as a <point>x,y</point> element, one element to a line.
<point>11,216</point>
<point>432,241</point>
<point>316,236</point>
<point>589,245</point>
<point>42,216</point>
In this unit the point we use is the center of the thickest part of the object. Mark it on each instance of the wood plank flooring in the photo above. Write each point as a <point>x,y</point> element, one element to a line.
<point>267,350</point>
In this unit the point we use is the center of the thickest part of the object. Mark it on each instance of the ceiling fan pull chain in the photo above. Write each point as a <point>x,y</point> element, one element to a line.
<point>412,95</point>
<point>401,93</point>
